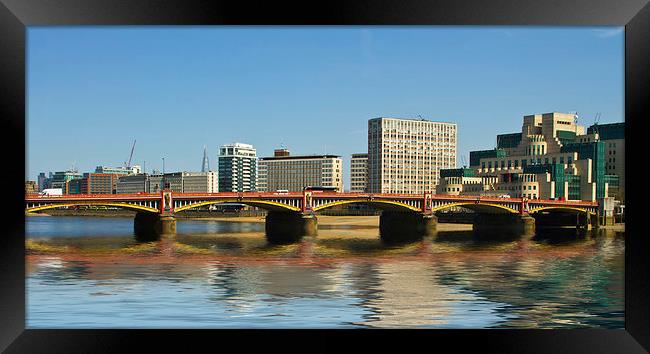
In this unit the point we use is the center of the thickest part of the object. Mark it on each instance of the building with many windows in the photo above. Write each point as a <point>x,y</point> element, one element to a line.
<point>182,182</point>
<point>552,158</point>
<point>237,168</point>
<point>133,184</point>
<point>61,180</point>
<point>359,173</point>
<point>406,155</point>
<point>200,182</point>
<point>294,173</point>
<point>613,136</point>
<point>136,169</point>
<point>42,181</point>
<point>31,187</point>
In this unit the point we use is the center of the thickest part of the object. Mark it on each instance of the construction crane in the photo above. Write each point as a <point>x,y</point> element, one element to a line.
<point>596,120</point>
<point>128,164</point>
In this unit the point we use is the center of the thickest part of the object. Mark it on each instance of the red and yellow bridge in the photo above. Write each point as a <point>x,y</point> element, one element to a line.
<point>168,202</point>
<point>298,208</point>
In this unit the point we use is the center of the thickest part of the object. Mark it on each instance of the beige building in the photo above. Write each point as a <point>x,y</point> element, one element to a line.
<point>406,155</point>
<point>200,182</point>
<point>359,173</point>
<point>31,187</point>
<point>293,173</point>
<point>552,158</point>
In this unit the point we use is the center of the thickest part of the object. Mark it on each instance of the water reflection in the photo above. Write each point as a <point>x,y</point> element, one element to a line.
<point>232,278</point>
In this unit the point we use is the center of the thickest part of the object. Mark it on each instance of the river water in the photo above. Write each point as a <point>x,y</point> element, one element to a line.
<point>85,272</point>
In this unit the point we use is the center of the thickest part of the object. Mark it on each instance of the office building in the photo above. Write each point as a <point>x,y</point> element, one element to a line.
<point>552,158</point>
<point>237,168</point>
<point>136,169</point>
<point>200,182</point>
<point>406,155</point>
<point>99,183</point>
<point>293,173</point>
<point>182,182</point>
<point>42,181</point>
<point>31,187</point>
<point>613,136</point>
<point>62,179</point>
<point>359,173</point>
<point>132,184</point>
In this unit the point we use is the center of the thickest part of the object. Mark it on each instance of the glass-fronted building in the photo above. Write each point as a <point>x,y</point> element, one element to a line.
<point>237,168</point>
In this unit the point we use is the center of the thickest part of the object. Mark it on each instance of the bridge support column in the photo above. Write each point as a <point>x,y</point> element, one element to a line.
<point>583,221</point>
<point>406,226</point>
<point>149,226</point>
<point>595,221</point>
<point>289,227</point>
<point>520,224</point>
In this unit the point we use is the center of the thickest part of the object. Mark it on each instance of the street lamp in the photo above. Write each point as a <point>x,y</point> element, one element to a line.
<point>163,171</point>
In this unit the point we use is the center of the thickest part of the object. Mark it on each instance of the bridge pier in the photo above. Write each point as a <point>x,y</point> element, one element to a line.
<point>583,221</point>
<point>289,227</point>
<point>150,226</point>
<point>406,226</point>
<point>504,223</point>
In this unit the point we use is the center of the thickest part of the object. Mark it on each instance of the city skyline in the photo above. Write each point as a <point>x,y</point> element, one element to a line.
<point>92,91</point>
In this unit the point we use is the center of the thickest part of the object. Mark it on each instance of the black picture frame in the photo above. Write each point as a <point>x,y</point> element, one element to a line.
<point>15,15</point>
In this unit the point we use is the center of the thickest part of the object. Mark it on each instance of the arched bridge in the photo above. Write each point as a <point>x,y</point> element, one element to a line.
<point>294,213</point>
<point>168,202</point>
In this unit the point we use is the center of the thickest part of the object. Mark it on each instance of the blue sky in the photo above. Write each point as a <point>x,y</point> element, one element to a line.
<point>93,90</point>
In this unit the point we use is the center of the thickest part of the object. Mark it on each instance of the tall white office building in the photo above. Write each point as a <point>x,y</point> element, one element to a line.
<point>406,155</point>
<point>237,168</point>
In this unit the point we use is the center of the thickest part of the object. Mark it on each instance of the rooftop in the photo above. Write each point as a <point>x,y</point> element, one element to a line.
<point>413,119</point>
<point>303,157</point>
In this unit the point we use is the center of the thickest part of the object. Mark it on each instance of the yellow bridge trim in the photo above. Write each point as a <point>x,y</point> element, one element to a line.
<point>121,205</point>
<point>441,207</point>
<point>366,201</point>
<point>235,200</point>
<point>559,207</point>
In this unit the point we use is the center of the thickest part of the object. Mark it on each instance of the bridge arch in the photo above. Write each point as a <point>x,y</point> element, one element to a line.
<point>377,203</point>
<point>263,204</point>
<point>562,208</point>
<point>483,207</point>
<point>81,203</point>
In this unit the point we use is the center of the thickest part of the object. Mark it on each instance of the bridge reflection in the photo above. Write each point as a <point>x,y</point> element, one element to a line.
<point>440,281</point>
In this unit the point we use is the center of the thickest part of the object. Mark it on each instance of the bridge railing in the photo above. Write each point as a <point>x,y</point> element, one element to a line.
<point>360,195</point>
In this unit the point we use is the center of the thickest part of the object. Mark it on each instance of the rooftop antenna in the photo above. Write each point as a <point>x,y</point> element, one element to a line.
<point>420,117</point>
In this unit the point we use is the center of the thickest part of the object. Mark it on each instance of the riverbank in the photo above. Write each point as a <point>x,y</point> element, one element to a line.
<point>615,227</point>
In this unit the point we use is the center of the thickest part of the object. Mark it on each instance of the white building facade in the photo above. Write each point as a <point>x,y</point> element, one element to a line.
<point>359,173</point>
<point>406,155</point>
<point>237,168</point>
<point>293,173</point>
